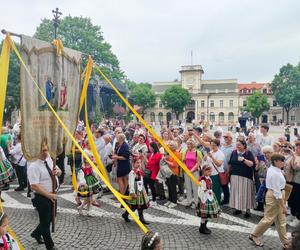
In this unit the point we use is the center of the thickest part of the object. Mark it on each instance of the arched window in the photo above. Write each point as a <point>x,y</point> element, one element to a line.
<point>160,116</point>
<point>152,117</point>
<point>169,116</point>
<point>212,117</point>
<point>230,117</point>
<point>221,117</point>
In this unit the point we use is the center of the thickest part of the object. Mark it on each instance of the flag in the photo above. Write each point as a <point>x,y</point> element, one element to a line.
<point>58,76</point>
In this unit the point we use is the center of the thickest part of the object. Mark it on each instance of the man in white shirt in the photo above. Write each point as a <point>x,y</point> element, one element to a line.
<point>275,203</point>
<point>20,164</point>
<point>264,139</point>
<point>42,176</point>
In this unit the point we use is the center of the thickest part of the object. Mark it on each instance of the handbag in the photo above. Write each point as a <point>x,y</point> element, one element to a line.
<point>288,190</point>
<point>224,178</point>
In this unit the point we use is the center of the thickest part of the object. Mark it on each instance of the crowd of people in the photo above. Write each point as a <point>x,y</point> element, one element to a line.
<point>248,170</point>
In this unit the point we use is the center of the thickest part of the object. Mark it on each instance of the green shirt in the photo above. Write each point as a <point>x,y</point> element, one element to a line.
<point>4,138</point>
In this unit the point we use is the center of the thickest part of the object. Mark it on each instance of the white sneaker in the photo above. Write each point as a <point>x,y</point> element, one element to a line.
<point>153,204</point>
<point>172,205</point>
<point>167,203</point>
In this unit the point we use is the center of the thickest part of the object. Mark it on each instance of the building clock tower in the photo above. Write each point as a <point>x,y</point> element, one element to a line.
<point>191,77</point>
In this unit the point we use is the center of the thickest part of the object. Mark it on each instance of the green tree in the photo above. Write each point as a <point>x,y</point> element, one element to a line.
<point>176,98</point>
<point>143,96</point>
<point>12,100</point>
<point>286,87</point>
<point>80,34</point>
<point>257,103</point>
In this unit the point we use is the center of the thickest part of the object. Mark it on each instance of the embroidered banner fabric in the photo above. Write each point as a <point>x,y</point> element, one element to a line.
<point>58,75</point>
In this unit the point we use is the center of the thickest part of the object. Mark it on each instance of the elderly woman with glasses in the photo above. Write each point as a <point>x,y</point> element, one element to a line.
<point>275,203</point>
<point>242,165</point>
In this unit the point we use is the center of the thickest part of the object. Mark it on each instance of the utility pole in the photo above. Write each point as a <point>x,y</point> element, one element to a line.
<point>56,21</point>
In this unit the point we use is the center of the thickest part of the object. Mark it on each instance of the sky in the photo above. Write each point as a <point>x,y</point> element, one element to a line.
<point>245,39</point>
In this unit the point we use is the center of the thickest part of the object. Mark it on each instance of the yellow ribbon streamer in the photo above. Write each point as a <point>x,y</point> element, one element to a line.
<point>4,66</point>
<point>107,183</point>
<point>96,155</point>
<point>148,127</point>
<point>59,46</point>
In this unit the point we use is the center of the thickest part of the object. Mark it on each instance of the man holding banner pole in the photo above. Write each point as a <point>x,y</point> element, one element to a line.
<point>41,174</point>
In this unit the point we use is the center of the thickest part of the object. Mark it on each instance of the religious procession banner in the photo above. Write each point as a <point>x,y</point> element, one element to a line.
<point>58,74</point>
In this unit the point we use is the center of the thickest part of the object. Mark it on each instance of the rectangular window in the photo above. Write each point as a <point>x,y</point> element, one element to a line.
<point>221,104</point>
<point>230,103</point>
<point>202,104</point>
<point>292,118</point>
<point>212,103</point>
<point>160,105</point>
<point>274,103</point>
<point>244,103</point>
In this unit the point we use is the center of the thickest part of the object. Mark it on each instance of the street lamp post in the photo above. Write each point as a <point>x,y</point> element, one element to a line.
<point>56,21</point>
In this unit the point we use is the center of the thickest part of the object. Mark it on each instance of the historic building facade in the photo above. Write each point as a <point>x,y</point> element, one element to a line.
<point>213,100</point>
<point>220,101</point>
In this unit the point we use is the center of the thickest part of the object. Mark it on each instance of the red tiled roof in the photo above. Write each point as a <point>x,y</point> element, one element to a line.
<point>250,85</point>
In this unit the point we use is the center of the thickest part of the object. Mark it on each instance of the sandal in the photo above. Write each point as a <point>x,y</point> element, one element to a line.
<point>256,241</point>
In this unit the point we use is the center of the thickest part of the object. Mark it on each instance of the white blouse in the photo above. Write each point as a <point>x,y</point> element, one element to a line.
<point>275,181</point>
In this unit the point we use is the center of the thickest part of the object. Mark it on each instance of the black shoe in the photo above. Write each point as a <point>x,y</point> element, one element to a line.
<point>125,217</point>
<point>207,229</point>
<point>161,198</point>
<point>237,212</point>
<point>247,215</point>
<point>203,229</point>
<point>29,195</point>
<point>37,238</point>
<point>19,189</point>
<point>144,221</point>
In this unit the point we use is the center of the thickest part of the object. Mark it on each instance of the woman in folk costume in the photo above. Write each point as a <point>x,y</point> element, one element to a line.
<point>140,200</point>
<point>208,206</point>
<point>88,184</point>
<point>7,173</point>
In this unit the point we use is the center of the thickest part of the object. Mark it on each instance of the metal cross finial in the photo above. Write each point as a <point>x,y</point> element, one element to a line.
<point>56,21</point>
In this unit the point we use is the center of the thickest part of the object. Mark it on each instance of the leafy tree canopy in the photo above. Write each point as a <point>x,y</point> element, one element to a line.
<point>257,103</point>
<point>176,98</point>
<point>80,34</point>
<point>286,86</point>
<point>143,96</point>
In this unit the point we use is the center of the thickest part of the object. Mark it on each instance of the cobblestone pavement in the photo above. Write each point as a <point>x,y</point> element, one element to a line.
<point>107,230</point>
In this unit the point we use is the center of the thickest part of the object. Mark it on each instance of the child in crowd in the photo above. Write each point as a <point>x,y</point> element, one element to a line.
<point>7,242</point>
<point>88,185</point>
<point>208,206</point>
<point>140,200</point>
<point>151,241</point>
